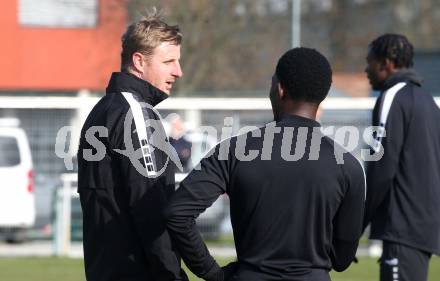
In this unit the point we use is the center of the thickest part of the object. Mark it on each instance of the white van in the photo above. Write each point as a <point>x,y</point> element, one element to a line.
<point>17,202</point>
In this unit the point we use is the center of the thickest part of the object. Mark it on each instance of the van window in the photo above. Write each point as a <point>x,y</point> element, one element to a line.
<point>9,153</point>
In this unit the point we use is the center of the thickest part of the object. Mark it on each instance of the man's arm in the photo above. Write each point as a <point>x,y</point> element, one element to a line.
<point>381,173</point>
<point>197,192</point>
<point>146,199</point>
<point>343,253</point>
<point>347,223</point>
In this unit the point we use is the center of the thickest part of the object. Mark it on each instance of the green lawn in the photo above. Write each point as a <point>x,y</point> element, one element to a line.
<point>54,269</point>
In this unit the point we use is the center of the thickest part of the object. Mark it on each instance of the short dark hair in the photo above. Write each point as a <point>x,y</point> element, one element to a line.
<point>395,47</point>
<point>305,74</point>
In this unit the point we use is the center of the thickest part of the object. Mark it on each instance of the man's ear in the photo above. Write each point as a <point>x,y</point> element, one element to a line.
<point>388,65</point>
<point>138,62</point>
<point>281,92</point>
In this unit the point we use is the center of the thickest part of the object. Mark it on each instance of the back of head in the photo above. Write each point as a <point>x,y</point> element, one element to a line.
<point>145,35</point>
<point>305,74</point>
<point>394,47</point>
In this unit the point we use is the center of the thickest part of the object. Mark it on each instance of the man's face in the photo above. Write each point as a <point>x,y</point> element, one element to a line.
<point>162,68</point>
<point>376,72</point>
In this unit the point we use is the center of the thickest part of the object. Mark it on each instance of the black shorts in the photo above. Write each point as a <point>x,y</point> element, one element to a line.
<point>403,263</point>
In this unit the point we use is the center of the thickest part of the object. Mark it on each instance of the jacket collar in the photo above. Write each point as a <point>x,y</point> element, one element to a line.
<point>296,120</point>
<point>404,75</point>
<point>127,82</point>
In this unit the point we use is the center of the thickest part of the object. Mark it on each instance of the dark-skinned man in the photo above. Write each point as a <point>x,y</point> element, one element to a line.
<point>294,217</point>
<point>403,187</point>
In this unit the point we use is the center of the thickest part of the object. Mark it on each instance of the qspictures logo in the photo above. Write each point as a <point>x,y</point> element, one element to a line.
<point>145,139</point>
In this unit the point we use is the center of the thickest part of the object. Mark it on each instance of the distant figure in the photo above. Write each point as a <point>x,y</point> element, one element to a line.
<point>293,218</point>
<point>403,187</point>
<point>124,193</point>
<point>180,143</point>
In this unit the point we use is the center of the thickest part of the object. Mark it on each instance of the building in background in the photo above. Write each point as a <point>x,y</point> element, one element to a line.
<point>59,46</point>
<point>56,48</point>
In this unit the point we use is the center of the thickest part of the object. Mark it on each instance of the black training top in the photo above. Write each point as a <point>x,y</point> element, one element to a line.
<point>403,195</point>
<point>122,190</point>
<point>296,205</point>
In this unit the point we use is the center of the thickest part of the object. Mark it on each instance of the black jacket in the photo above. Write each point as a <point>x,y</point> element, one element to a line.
<point>123,189</point>
<point>295,211</point>
<point>403,194</point>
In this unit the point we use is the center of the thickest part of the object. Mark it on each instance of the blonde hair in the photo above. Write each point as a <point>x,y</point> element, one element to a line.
<point>145,35</point>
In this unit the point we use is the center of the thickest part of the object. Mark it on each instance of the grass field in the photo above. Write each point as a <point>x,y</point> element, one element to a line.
<point>54,269</point>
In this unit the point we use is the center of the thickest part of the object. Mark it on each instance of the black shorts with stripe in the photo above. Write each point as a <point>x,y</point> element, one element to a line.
<point>403,263</point>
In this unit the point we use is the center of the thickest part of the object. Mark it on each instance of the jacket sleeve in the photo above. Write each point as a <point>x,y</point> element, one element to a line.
<point>198,191</point>
<point>381,174</point>
<point>347,223</point>
<point>145,198</point>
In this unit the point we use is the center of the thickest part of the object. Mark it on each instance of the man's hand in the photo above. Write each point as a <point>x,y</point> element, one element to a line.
<point>229,270</point>
<point>224,273</point>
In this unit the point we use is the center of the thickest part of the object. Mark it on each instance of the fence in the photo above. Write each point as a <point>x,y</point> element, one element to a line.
<point>43,117</point>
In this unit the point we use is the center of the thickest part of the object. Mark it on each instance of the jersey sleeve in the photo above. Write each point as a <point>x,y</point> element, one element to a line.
<point>197,192</point>
<point>146,197</point>
<point>348,220</point>
<point>381,174</point>
<point>347,223</point>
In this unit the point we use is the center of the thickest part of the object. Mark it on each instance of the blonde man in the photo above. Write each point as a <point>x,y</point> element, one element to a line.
<point>124,177</point>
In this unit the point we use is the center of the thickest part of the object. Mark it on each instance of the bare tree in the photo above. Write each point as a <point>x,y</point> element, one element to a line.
<point>234,45</point>
<point>228,45</point>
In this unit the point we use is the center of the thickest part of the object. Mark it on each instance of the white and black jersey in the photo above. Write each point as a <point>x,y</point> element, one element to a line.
<point>295,216</point>
<point>403,187</point>
<point>124,191</point>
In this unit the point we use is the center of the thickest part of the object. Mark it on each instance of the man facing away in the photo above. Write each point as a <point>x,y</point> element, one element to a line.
<point>296,199</point>
<point>403,194</point>
<point>123,192</point>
